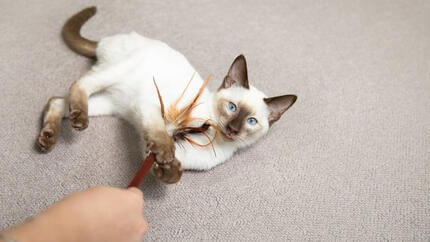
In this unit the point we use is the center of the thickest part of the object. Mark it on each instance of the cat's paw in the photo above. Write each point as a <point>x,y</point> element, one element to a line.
<point>48,137</point>
<point>78,119</point>
<point>163,147</point>
<point>168,173</point>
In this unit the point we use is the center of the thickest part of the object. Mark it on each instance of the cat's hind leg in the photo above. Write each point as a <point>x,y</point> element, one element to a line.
<point>100,78</point>
<point>79,93</point>
<point>78,107</point>
<point>53,114</point>
<point>56,109</point>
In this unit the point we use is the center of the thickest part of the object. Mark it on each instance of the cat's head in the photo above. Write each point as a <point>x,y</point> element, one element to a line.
<point>244,114</point>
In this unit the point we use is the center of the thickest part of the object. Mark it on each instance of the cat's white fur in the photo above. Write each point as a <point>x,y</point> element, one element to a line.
<point>121,84</point>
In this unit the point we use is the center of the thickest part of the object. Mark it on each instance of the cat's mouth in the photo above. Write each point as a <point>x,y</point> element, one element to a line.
<point>228,134</point>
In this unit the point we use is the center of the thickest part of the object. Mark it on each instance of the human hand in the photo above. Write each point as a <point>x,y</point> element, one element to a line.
<point>96,214</point>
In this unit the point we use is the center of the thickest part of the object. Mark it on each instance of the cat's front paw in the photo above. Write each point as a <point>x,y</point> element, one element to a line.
<point>168,173</point>
<point>163,147</point>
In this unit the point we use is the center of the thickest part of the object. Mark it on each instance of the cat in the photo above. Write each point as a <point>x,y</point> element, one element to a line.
<point>122,83</point>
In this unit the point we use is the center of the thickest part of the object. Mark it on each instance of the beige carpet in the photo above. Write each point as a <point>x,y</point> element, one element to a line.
<point>349,161</point>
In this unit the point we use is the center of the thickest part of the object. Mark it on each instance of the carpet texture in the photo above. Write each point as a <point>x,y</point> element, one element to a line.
<point>349,161</point>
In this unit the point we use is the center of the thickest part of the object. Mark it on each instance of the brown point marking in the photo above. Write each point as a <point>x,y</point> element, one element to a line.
<point>161,144</point>
<point>168,173</point>
<point>238,121</point>
<point>51,126</point>
<point>72,36</point>
<point>78,107</point>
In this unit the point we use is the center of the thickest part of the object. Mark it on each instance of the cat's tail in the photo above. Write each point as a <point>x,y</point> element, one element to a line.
<point>72,36</point>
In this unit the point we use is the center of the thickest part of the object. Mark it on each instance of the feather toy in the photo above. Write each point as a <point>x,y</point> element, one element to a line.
<point>181,120</point>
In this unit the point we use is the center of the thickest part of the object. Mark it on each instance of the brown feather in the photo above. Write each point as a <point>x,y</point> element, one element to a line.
<point>159,98</point>
<point>181,117</point>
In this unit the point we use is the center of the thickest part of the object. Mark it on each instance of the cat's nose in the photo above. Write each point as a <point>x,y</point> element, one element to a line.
<point>232,129</point>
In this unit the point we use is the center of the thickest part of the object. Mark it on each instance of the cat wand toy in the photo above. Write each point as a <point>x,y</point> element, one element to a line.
<point>143,170</point>
<point>181,118</point>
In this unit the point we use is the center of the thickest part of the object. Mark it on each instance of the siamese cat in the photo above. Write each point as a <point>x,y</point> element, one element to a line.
<point>122,83</point>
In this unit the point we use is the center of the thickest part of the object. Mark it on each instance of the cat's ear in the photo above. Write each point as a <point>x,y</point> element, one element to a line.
<point>237,74</point>
<point>278,105</point>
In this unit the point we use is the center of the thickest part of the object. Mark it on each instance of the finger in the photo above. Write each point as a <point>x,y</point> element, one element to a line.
<point>136,191</point>
<point>137,197</point>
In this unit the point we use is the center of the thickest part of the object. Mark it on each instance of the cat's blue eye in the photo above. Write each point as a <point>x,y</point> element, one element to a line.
<point>252,121</point>
<point>232,107</point>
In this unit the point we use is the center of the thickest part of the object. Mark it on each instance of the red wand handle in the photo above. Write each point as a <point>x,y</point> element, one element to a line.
<point>143,170</point>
